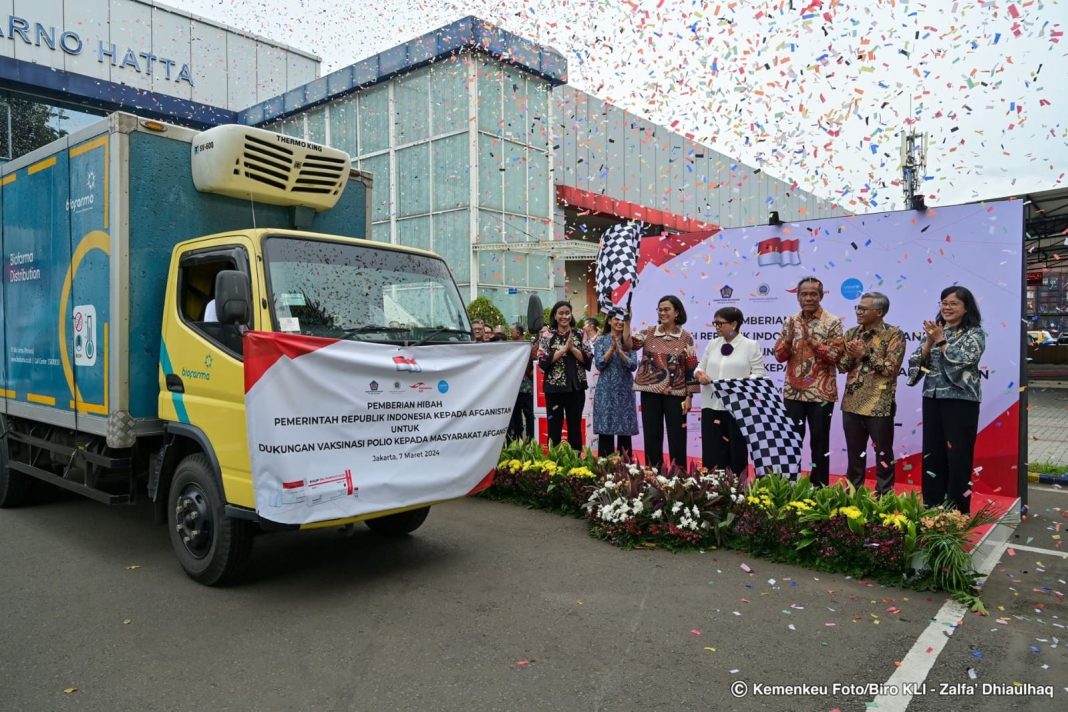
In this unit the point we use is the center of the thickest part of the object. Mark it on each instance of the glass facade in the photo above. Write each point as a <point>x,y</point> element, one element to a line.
<point>27,123</point>
<point>460,154</point>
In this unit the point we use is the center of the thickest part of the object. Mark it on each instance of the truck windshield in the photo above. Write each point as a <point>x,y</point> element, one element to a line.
<point>338,290</point>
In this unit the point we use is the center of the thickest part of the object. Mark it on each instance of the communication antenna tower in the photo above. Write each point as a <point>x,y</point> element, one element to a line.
<point>913,168</point>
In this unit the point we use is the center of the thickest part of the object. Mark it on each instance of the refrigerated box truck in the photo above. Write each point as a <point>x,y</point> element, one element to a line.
<point>135,256</point>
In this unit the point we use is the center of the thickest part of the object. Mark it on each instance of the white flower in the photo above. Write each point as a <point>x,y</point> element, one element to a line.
<point>676,507</point>
<point>657,514</point>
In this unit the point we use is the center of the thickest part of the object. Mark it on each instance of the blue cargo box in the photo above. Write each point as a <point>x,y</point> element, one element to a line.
<point>89,222</point>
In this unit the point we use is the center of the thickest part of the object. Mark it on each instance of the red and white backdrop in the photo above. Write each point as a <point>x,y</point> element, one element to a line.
<point>908,255</point>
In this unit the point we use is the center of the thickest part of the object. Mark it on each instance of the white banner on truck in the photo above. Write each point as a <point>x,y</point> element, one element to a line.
<point>340,428</point>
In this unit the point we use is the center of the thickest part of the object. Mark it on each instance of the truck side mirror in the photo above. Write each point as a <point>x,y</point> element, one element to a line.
<point>535,315</point>
<point>233,297</point>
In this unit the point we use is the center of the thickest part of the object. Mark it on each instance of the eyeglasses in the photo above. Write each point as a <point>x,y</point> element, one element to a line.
<point>859,309</point>
<point>951,304</point>
<point>721,323</point>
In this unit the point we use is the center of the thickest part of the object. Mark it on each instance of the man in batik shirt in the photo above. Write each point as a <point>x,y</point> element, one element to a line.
<point>810,344</point>
<point>872,357</point>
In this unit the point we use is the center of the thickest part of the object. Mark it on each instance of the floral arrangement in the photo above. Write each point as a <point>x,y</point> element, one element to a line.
<point>638,505</point>
<point>557,479</point>
<point>892,537</point>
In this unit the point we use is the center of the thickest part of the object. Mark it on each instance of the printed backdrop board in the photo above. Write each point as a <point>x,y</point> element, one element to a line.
<point>339,428</point>
<point>910,256</point>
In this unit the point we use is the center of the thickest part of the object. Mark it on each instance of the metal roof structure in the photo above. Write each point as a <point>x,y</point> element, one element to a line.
<point>1046,229</point>
<point>566,250</point>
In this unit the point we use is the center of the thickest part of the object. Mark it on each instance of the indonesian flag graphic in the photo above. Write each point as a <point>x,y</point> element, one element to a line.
<point>406,363</point>
<point>777,251</point>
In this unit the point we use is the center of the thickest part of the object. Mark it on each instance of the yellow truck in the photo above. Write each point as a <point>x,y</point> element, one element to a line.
<point>132,277</point>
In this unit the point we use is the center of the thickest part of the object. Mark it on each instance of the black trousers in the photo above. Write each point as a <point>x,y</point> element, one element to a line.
<point>522,422</point>
<point>817,416</point>
<point>949,430</point>
<point>658,411</point>
<point>566,405</point>
<point>610,444</point>
<point>859,429</point>
<point>722,442</point>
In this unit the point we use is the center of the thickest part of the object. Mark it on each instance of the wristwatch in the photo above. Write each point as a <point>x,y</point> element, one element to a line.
<point>940,344</point>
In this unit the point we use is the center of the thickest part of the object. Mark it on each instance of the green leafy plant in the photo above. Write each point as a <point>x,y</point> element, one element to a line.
<point>943,537</point>
<point>1047,467</point>
<point>482,308</point>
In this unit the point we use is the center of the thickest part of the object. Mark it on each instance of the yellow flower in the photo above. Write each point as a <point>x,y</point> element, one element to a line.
<point>799,505</point>
<point>752,500</point>
<point>580,472</point>
<point>896,519</point>
<point>850,512</point>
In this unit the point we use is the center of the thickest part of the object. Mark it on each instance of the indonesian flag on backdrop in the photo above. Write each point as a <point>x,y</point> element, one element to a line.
<point>777,251</point>
<point>617,265</point>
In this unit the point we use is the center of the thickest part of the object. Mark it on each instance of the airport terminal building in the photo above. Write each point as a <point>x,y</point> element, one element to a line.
<point>477,146</point>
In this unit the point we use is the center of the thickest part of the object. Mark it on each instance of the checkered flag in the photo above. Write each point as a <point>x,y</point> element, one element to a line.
<point>617,265</point>
<point>756,403</point>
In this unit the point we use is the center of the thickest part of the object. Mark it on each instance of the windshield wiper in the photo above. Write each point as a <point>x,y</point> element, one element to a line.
<point>441,330</point>
<point>372,328</point>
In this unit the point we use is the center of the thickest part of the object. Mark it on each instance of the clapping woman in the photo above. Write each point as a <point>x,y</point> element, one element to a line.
<point>564,358</point>
<point>948,363</point>
<point>664,381</point>
<point>614,418</point>
<point>729,355</point>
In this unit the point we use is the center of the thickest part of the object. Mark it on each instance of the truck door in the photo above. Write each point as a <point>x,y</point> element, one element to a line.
<point>201,360</point>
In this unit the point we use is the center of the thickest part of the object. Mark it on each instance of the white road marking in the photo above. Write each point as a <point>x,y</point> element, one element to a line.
<point>918,662</point>
<point>1037,550</point>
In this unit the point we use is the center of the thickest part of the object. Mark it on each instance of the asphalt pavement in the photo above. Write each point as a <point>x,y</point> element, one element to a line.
<point>490,606</point>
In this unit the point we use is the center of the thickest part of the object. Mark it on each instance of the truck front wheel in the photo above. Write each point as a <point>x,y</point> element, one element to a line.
<point>14,486</point>
<point>398,524</point>
<point>211,547</point>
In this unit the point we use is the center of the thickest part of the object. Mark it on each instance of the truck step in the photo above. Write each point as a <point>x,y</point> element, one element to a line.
<point>46,476</point>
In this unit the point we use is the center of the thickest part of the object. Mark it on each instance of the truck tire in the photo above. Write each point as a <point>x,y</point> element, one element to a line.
<point>398,524</point>
<point>211,547</point>
<point>14,486</point>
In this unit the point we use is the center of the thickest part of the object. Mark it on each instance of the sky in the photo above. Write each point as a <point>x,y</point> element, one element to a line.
<point>814,92</point>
